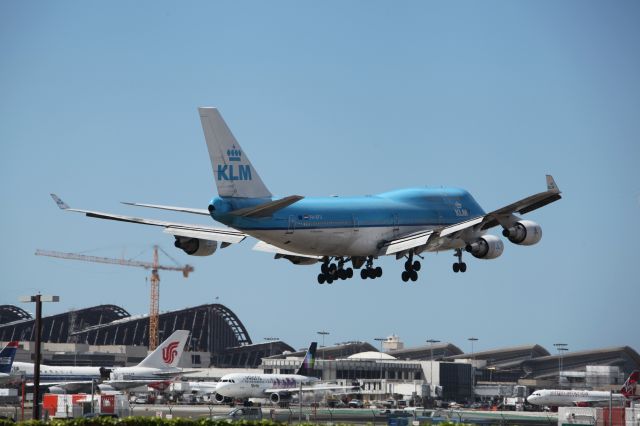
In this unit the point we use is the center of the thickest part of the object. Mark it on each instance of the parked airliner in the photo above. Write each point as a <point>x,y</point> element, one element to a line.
<point>158,367</point>
<point>336,231</point>
<point>7,355</point>
<point>276,387</point>
<point>568,398</point>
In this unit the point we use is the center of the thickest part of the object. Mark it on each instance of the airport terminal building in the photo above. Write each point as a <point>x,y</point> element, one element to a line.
<point>107,335</point>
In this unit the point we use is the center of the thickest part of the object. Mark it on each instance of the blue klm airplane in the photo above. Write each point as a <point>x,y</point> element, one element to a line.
<point>336,231</point>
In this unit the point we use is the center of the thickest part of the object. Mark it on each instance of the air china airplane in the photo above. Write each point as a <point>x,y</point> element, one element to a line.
<point>276,387</point>
<point>583,398</point>
<point>336,231</point>
<point>159,367</point>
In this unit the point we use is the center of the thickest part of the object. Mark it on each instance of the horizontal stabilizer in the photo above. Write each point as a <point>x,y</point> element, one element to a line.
<point>267,209</point>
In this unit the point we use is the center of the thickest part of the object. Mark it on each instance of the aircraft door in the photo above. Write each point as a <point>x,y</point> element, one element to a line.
<point>292,224</point>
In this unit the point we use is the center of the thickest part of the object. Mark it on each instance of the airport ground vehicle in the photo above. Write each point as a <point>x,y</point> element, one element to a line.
<point>242,413</point>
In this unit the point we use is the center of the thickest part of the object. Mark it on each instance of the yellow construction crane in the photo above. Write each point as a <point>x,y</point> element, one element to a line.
<point>155,280</point>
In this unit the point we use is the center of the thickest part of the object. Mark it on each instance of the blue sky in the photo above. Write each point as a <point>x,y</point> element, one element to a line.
<point>98,103</point>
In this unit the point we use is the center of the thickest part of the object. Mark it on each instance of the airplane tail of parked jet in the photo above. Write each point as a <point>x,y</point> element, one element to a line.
<point>306,367</point>
<point>629,387</point>
<point>233,173</point>
<point>7,355</point>
<point>168,354</point>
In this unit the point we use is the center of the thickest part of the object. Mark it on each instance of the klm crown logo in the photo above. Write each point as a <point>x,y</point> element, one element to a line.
<point>229,172</point>
<point>234,154</point>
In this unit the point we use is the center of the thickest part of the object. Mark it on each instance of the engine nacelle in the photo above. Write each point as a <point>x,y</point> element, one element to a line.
<point>220,398</point>
<point>277,398</point>
<point>524,232</point>
<point>196,246</point>
<point>486,247</point>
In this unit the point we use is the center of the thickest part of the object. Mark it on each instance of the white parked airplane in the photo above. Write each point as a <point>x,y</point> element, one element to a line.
<point>159,366</point>
<point>337,231</point>
<point>276,387</point>
<point>568,398</point>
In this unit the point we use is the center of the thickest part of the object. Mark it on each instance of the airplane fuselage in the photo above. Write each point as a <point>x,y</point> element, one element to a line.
<point>256,385</point>
<point>352,226</point>
<point>567,398</point>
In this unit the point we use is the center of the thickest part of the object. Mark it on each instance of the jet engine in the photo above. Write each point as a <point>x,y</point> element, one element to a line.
<point>524,232</point>
<point>196,246</point>
<point>277,398</point>
<point>222,399</point>
<point>486,247</point>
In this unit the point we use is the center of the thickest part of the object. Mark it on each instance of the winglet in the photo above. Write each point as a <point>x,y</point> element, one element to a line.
<point>551,184</point>
<point>59,202</point>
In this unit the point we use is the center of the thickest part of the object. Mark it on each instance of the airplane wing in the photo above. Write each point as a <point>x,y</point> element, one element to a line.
<point>229,236</point>
<point>319,388</point>
<point>406,242</point>
<point>128,384</point>
<point>70,387</point>
<point>293,257</point>
<point>503,216</point>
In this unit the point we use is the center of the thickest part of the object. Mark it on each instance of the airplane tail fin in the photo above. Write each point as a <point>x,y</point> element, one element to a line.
<point>168,353</point>
<point>629,387</point>
<point>306,367</point>
<point>232,171</point>
<point>7,355</point>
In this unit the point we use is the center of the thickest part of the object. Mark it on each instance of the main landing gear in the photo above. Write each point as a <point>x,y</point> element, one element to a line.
<point>370,271</point>
<point>459,266</point>
<point>331,272</point>
<point>411,269</point>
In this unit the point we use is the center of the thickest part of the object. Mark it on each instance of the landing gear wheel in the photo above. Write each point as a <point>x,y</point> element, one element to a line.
<point>329,279</point>
<point>371,273</point>
<point>378,272</point>
<point>407,265</point>
<point>332,268</point>
<point>456,267</point>
<point>405,276</point>
<point>363,274</point>
<point>324,268</point>
<point>463,267</point>
<point>349,272</point>
<point>321,279</point>
<point>416,266</point>
<point>414,276</point>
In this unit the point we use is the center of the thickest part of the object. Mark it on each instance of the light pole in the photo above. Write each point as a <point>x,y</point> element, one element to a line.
<point>380,339</point>
<point>38,299</point>
<point>431,342</point>
<point>473,376</point>
<point>323,333</point>
<point>561,348</point>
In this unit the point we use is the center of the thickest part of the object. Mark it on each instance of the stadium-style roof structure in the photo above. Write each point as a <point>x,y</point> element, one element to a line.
<point>545,367</point>
<point>57,328</point>
<point>423,353</point>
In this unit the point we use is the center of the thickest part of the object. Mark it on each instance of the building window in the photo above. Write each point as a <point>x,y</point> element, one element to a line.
<point>195,359</point>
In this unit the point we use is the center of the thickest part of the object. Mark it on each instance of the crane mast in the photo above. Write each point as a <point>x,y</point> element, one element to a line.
<point>154,301</point>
